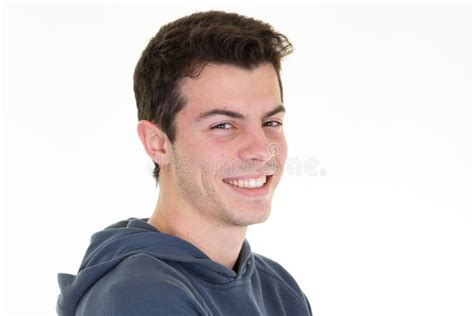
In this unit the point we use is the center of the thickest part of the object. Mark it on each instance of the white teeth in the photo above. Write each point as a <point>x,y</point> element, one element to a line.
<point>248,183</point>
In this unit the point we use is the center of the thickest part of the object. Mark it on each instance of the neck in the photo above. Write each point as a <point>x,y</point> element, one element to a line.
<point>220,242</point>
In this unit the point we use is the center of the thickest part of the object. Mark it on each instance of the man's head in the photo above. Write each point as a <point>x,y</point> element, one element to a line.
<point>181,48</point>
<point>209,101</point>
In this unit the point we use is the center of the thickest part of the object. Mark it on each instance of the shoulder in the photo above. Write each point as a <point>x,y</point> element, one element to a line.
<point>275,276</point>
<point>274,270</point>
<point>139,285</point>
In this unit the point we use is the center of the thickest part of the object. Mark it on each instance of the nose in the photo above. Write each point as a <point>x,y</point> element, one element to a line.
<point>258,147</point>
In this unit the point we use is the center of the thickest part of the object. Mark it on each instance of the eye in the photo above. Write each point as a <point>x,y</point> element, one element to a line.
<point>274,123</point>
<point>219,126</point>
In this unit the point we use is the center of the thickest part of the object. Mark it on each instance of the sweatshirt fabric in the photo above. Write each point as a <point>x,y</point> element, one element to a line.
<point>130,268</point>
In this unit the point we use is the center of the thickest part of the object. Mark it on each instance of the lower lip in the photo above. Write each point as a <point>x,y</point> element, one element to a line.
<point>251,192</point>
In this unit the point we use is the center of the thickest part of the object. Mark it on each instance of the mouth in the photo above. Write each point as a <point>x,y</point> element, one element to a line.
<point>250,187</point>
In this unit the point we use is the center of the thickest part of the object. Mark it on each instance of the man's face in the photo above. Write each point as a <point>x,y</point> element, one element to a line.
<point>212,152</point>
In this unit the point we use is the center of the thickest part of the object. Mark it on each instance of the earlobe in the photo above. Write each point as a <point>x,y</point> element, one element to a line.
<point>155,142</point>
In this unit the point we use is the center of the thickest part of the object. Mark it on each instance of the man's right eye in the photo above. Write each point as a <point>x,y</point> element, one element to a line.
<point>220,126</point>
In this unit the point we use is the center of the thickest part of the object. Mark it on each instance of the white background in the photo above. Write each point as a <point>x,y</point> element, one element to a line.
<point>378,98</point>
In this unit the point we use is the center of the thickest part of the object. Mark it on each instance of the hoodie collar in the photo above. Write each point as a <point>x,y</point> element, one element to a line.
<point>136,235</point>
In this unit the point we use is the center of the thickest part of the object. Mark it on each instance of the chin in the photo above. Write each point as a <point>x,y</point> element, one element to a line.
<point>251,219</point>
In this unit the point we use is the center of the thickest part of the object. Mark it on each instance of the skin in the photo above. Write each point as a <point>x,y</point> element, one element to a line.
<point>194,203</point>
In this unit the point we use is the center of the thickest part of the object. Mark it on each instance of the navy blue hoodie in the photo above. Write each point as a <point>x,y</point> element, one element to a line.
<point>130,268</point>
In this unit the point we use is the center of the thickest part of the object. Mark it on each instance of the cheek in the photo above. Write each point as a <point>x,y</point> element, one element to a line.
<point>191,160</point>
<point>208,162</point>
<point>282,150</point>
<point>281,157</point>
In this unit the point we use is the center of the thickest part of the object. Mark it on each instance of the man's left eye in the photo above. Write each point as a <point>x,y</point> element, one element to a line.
<point>274,123</point>
<point>229,126</point>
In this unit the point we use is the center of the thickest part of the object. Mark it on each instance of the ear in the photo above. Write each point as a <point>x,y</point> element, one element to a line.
<point>155,142</point>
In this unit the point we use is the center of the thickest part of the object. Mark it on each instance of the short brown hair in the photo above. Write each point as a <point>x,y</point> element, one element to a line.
<point>181,48</point>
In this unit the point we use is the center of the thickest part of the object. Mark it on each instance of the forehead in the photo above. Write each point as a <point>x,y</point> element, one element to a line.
<point>231,88</point>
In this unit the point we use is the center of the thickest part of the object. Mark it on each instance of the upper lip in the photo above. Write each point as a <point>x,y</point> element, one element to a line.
<point>249,176</point>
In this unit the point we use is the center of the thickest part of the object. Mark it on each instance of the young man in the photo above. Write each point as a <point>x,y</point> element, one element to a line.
<point>210,111</point>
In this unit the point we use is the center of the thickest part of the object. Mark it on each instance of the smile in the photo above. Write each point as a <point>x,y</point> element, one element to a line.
<point>248,183</point>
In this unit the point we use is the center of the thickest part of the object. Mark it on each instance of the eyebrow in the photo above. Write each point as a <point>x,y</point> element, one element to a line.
<point>237,115</point>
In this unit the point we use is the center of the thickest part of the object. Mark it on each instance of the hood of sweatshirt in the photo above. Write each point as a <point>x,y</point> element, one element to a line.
<point>126,238</point>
